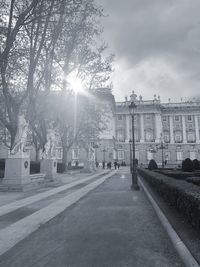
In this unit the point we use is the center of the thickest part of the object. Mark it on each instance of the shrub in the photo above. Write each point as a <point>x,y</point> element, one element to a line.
<point>196,164</point>
<point>176,174</point>
<point>152,165</point>
<point>180,194</point>
<point>61,167</point>
<point>34,167</point>
<point>187,165</point>
<point>193,180</point>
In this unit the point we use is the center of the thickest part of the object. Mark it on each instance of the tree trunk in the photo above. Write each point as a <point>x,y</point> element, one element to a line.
<point>86,162</point>
<point>64,156</point>
<point>37,154</point>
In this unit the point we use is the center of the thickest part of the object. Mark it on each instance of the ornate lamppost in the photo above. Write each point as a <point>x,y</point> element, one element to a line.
<point>130,142</point>
<point>134,185</point>
<point>162,147</point>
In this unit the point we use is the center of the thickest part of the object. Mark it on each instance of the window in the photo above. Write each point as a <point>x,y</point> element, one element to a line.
<point>120,155</point>
<point>164,118</point>
<point>178,138</point>
<point>179,155</point>
<point>119,117</point>
<point>191,137</point>
<point>166,138</point>
<point>190,125</point>
<point>75,153</point>
<point>120,135</point>
<point>189,117</point>
<point>177,118</point>
<point>192,155</point>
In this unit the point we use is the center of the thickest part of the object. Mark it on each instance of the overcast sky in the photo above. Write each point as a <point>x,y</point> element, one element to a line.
<point>157,47</point>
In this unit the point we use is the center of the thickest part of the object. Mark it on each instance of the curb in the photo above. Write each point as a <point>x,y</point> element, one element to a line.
<point>182,250</point>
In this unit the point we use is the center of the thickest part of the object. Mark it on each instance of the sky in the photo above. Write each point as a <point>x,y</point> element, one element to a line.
<point>156,45</point>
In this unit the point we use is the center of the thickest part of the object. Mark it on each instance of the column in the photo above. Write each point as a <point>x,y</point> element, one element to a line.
<point>197,128</point>
<point>141,128</point>
<point>184,129</point>
<point>171,129</point>
<point>128,127</point>
<point>158,125</point>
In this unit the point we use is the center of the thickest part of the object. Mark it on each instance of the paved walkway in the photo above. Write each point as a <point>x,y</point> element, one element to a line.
<point>66,178</point>
<point>112,227</point>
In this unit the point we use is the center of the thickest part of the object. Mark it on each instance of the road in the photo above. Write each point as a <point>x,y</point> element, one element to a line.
<point>111,226</point>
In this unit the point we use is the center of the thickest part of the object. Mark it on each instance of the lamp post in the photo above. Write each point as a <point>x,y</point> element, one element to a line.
<point>134,185</point>
<point>96,147</point>
<point>162,147</point>
<point>130,142</point>
<point>104,154</point>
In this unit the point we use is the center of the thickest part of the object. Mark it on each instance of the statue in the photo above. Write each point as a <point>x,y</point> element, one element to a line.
<point>91,154</point>
<point>91,158</point>
<point>21,136</point>
<point>49,148</point>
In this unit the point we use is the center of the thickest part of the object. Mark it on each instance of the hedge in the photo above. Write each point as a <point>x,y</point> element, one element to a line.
<point>180,194</point>
<point>178,175</point>
<point>194,180</point>
<point>187,165</point>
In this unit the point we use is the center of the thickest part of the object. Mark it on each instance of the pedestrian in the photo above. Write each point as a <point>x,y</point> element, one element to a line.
<point>115,164</point>
<point>118,165</point>
<point>103,164</point>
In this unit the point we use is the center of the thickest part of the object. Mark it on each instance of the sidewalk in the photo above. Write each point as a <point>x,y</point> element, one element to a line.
<point>8,197</point>
<point>110,227</point>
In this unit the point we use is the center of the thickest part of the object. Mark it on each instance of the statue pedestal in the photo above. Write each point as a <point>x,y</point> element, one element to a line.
<point>49,167</point>
<point>17,171</point>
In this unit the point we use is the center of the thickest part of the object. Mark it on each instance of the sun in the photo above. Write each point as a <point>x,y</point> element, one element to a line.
<point>76,84</point>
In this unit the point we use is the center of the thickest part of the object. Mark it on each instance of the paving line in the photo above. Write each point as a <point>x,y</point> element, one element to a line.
<point>16,232</point>
<point>182,250</point>
<point>29,200</point>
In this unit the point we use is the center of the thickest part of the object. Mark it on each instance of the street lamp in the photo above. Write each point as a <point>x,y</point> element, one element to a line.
<point>104,154</point>
<point>162,147</point>
<point>130,142</point>
<point>134,185</point>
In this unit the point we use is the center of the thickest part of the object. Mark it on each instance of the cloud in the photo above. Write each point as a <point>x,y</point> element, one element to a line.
<point>157,46</point>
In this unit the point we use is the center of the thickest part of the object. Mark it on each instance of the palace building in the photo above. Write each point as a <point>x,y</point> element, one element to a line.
<point>167,132</point>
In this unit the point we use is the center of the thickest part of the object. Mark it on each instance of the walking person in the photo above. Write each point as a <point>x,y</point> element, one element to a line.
<point>115,164</point>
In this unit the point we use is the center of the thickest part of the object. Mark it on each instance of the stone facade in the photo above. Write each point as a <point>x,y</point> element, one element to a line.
<point>173,126</point>
<point>164,131</point>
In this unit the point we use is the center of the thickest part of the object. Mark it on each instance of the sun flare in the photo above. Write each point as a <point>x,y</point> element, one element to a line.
<point>76,84</point>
